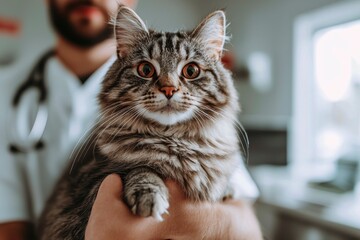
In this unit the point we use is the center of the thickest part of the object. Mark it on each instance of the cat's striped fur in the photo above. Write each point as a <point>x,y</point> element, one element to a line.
<point>146,137</point>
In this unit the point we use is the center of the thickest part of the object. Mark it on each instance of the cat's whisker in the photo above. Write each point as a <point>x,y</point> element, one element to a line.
<point>237,124</point>
<point>117,117</point>
<point>128,113</point>
<point>241,129</point>
<point>86,144</point>
<point>196,116</point>
<point>130,118</point>
<point>87,136</point>
<point>112,119</point>
<point>84,148</point>
<point>133,118</point>
<point>240,126</point>
<point>207,115</point>
<point>109,123</point>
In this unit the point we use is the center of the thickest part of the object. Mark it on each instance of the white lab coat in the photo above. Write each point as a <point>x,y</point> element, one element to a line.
<point>26,181</point>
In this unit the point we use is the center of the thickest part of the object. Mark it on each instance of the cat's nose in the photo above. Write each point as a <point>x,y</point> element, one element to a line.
<point>169,91</point>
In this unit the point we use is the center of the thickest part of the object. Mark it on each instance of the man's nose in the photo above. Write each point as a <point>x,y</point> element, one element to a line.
<point>169,91</point>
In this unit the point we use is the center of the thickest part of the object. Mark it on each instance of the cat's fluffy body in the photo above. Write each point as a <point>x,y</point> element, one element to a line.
<point>145,136</point>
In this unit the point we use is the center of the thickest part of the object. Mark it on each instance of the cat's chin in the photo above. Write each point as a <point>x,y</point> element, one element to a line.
<point>169,118</point>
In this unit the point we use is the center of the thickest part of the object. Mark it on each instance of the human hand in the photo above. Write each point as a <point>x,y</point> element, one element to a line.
<point>111,218</point>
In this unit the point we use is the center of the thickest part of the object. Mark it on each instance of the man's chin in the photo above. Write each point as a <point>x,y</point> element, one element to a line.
<point>88,34</point>
<point>81,32</point>
<point>86,38</point>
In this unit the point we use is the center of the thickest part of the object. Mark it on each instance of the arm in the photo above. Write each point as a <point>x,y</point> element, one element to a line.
<point>16,231</point>
<point>13,205</point>
<point>111,218</point>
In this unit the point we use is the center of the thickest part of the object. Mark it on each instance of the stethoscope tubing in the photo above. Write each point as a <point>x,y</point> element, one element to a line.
<point>25,139</point>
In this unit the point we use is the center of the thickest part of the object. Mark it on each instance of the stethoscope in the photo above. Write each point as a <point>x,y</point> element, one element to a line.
<point>27,137</point>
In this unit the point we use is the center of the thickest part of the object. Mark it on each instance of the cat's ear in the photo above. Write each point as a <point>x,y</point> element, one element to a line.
<point>211,32</point>
<point>128,27</point>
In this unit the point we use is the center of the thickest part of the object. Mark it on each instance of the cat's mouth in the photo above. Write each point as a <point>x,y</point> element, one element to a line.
<point>167,109</point>
<point>171,106</point>
<point>168,112</point>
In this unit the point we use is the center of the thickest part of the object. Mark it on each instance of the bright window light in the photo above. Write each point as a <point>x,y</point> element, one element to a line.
<point>336,51</point>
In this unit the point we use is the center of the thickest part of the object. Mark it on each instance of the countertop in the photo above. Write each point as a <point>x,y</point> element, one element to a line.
<point>288,191</point>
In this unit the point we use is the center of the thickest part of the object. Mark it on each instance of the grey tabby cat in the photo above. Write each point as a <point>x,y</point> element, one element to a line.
<point>168,110</point>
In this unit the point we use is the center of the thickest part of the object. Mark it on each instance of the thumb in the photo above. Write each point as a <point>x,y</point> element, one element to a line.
<point>176,193</point>
<point>111,188</point>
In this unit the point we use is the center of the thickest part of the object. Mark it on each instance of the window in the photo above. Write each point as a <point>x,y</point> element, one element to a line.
<point>326,88</point>
<point>336,110</point>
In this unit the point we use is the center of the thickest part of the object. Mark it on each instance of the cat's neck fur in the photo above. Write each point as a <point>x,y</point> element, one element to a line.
<point>220,133</point>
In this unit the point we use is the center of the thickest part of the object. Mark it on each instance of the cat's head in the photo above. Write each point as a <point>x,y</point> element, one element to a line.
<point>169,78</point>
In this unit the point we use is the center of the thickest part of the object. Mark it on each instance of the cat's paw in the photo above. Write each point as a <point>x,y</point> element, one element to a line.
<point>148,201</point>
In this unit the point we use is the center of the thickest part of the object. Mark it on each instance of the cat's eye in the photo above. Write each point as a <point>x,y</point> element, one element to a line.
<point>191,71</point>
<point>145,70</point>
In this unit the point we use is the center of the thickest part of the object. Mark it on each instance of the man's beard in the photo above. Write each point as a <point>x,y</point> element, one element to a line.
<point>61,23</point>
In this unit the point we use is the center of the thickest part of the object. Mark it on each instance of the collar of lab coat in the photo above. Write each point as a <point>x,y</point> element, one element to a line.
<point>63,82</point>
<point>75,103</point>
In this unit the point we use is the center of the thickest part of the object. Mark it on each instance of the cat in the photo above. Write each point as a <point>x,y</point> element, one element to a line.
<point>168,110</point>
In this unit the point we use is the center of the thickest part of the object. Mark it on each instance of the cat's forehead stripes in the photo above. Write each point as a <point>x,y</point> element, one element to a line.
<point>166,48</point>
<point>154,50</point>
<point>174,45</point>
<point>169,41</point>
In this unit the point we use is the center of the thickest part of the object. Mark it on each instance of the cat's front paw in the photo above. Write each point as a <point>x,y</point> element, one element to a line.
<point>148,201</point>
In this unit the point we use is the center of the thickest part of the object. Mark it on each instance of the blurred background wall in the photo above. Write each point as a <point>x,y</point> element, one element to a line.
<point>264,26</point>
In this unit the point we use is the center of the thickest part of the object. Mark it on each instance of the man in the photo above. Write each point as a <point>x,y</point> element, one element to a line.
<point>83,53</point>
